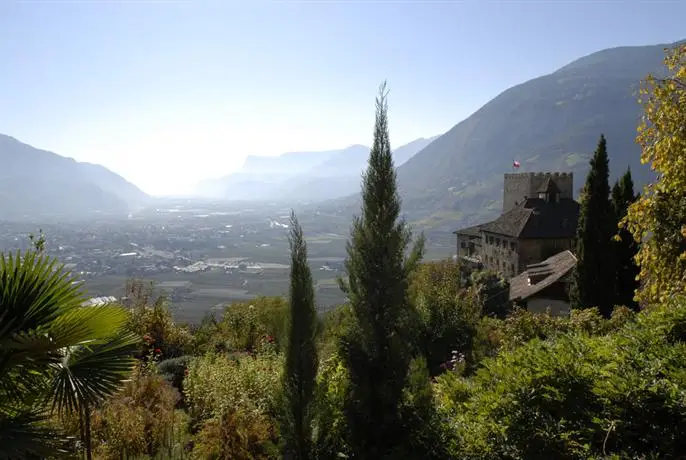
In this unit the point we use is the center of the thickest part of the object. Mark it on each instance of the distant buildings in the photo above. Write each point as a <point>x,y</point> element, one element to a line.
<point>538,222</point>
<point>98,301</point>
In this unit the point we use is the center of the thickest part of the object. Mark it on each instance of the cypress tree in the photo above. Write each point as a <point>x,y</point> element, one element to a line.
<point>301,354</point>
<point>594,276</point>
<point>623,196</point>
<point>376,348</point>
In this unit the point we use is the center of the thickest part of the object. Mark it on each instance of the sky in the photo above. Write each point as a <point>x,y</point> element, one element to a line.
<point>166,93</point>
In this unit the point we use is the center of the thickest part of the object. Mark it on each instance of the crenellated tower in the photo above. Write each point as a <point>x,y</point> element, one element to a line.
<point>519,186</point>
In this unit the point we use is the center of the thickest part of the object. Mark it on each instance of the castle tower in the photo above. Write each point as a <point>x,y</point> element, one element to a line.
<point>519,186</point>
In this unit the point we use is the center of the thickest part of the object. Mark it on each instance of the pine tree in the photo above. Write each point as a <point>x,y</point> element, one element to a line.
<point>623,196</point>
<point>376,349</point>
<point>301,353</point>
<point>594,276</point>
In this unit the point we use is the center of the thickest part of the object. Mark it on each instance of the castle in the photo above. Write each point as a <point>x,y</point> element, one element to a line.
<point>538,221</point>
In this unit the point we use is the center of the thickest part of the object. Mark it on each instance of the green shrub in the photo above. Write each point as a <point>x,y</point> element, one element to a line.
<point>448,313</point>
<point>330,424</point>
<point>576,388</point>
<point>216,383</point>
<point>174,371</point>
<point>238,434</point>
<point>246,324</point>
<point>140,420</point>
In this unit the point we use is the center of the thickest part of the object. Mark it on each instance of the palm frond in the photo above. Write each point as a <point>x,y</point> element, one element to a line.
<point>34,290</point>
<point>90,372</point>
<point>97,323</point>
<point>26,435</point>
<point>33,294</point>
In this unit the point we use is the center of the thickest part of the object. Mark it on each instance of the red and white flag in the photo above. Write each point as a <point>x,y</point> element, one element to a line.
<point>515,164</point>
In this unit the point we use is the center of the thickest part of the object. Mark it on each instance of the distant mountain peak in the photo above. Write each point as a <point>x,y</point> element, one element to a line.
<point>301,176</point>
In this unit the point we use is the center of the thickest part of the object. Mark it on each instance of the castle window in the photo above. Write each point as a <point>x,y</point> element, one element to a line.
<point>463,245</point>
<point>497,242</point>
<point>512,269</point>
<point>513,245</point>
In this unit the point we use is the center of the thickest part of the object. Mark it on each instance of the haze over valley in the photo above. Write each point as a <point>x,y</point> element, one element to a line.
<point>450,161</point>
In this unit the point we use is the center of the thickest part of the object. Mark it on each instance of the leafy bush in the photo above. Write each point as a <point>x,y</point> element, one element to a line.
<point>152,319</point>
<point>574,395</point>
<point>238,434</point>
<point>174,371</point>
<point>448,313</point>
<point>140,420</point>
<point>330,424</point>
<point>216,383</point>
<point>522,326</point>
<point>493,292</point>
<point>245,324</point>
<point>333,323</point>
<point>233,403</point>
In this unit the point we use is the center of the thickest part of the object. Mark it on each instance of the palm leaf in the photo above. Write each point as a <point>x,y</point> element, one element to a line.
<point>77,326</point>
<point>52,349</point>
<point>34,290</point>
<point>26,435</point>
<point>88,373</point>
<point>33,294</point>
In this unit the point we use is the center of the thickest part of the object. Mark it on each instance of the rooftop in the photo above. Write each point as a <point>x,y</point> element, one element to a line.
<point>537,218</point>
<point>547,272</point>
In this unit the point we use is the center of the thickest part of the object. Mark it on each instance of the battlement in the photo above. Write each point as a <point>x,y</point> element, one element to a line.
<point>519,186</point>
<point>555,174</point>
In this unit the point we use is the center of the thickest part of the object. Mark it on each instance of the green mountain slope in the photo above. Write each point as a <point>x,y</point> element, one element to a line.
<point>551,123</point>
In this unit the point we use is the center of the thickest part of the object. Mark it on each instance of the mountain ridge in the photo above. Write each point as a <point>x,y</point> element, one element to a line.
<point>548,123</point>
<point>300,176</point>
<point>36,181</point>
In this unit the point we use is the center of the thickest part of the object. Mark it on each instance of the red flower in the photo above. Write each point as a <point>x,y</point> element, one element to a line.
<point>157,350</point>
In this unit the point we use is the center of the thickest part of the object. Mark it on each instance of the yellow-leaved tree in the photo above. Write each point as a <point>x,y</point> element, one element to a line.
<point>658,219</point>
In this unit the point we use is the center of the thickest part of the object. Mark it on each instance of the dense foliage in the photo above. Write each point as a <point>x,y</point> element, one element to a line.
<point>658,219</point>
<point>424,361</point>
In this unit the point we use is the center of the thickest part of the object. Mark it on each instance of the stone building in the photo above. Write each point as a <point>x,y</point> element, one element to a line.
<point>545,286</point>
<point>539,220</point>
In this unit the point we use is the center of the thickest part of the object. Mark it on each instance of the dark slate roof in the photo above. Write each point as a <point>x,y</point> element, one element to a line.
<point>470,231</point>
<point>552,269</point>
<point>536,218</point>
<point>548,186</point>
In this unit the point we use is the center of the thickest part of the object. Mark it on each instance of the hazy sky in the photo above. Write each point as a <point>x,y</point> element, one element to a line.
<point>165,93</point>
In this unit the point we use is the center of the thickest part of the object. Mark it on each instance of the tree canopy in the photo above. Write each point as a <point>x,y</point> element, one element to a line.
<point>658,218</point>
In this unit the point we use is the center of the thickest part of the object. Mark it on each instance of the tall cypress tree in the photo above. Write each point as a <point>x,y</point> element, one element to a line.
<point>301,354</point>
<point>623,196</point>
<point>376,348</point>
<point>594,276</point>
